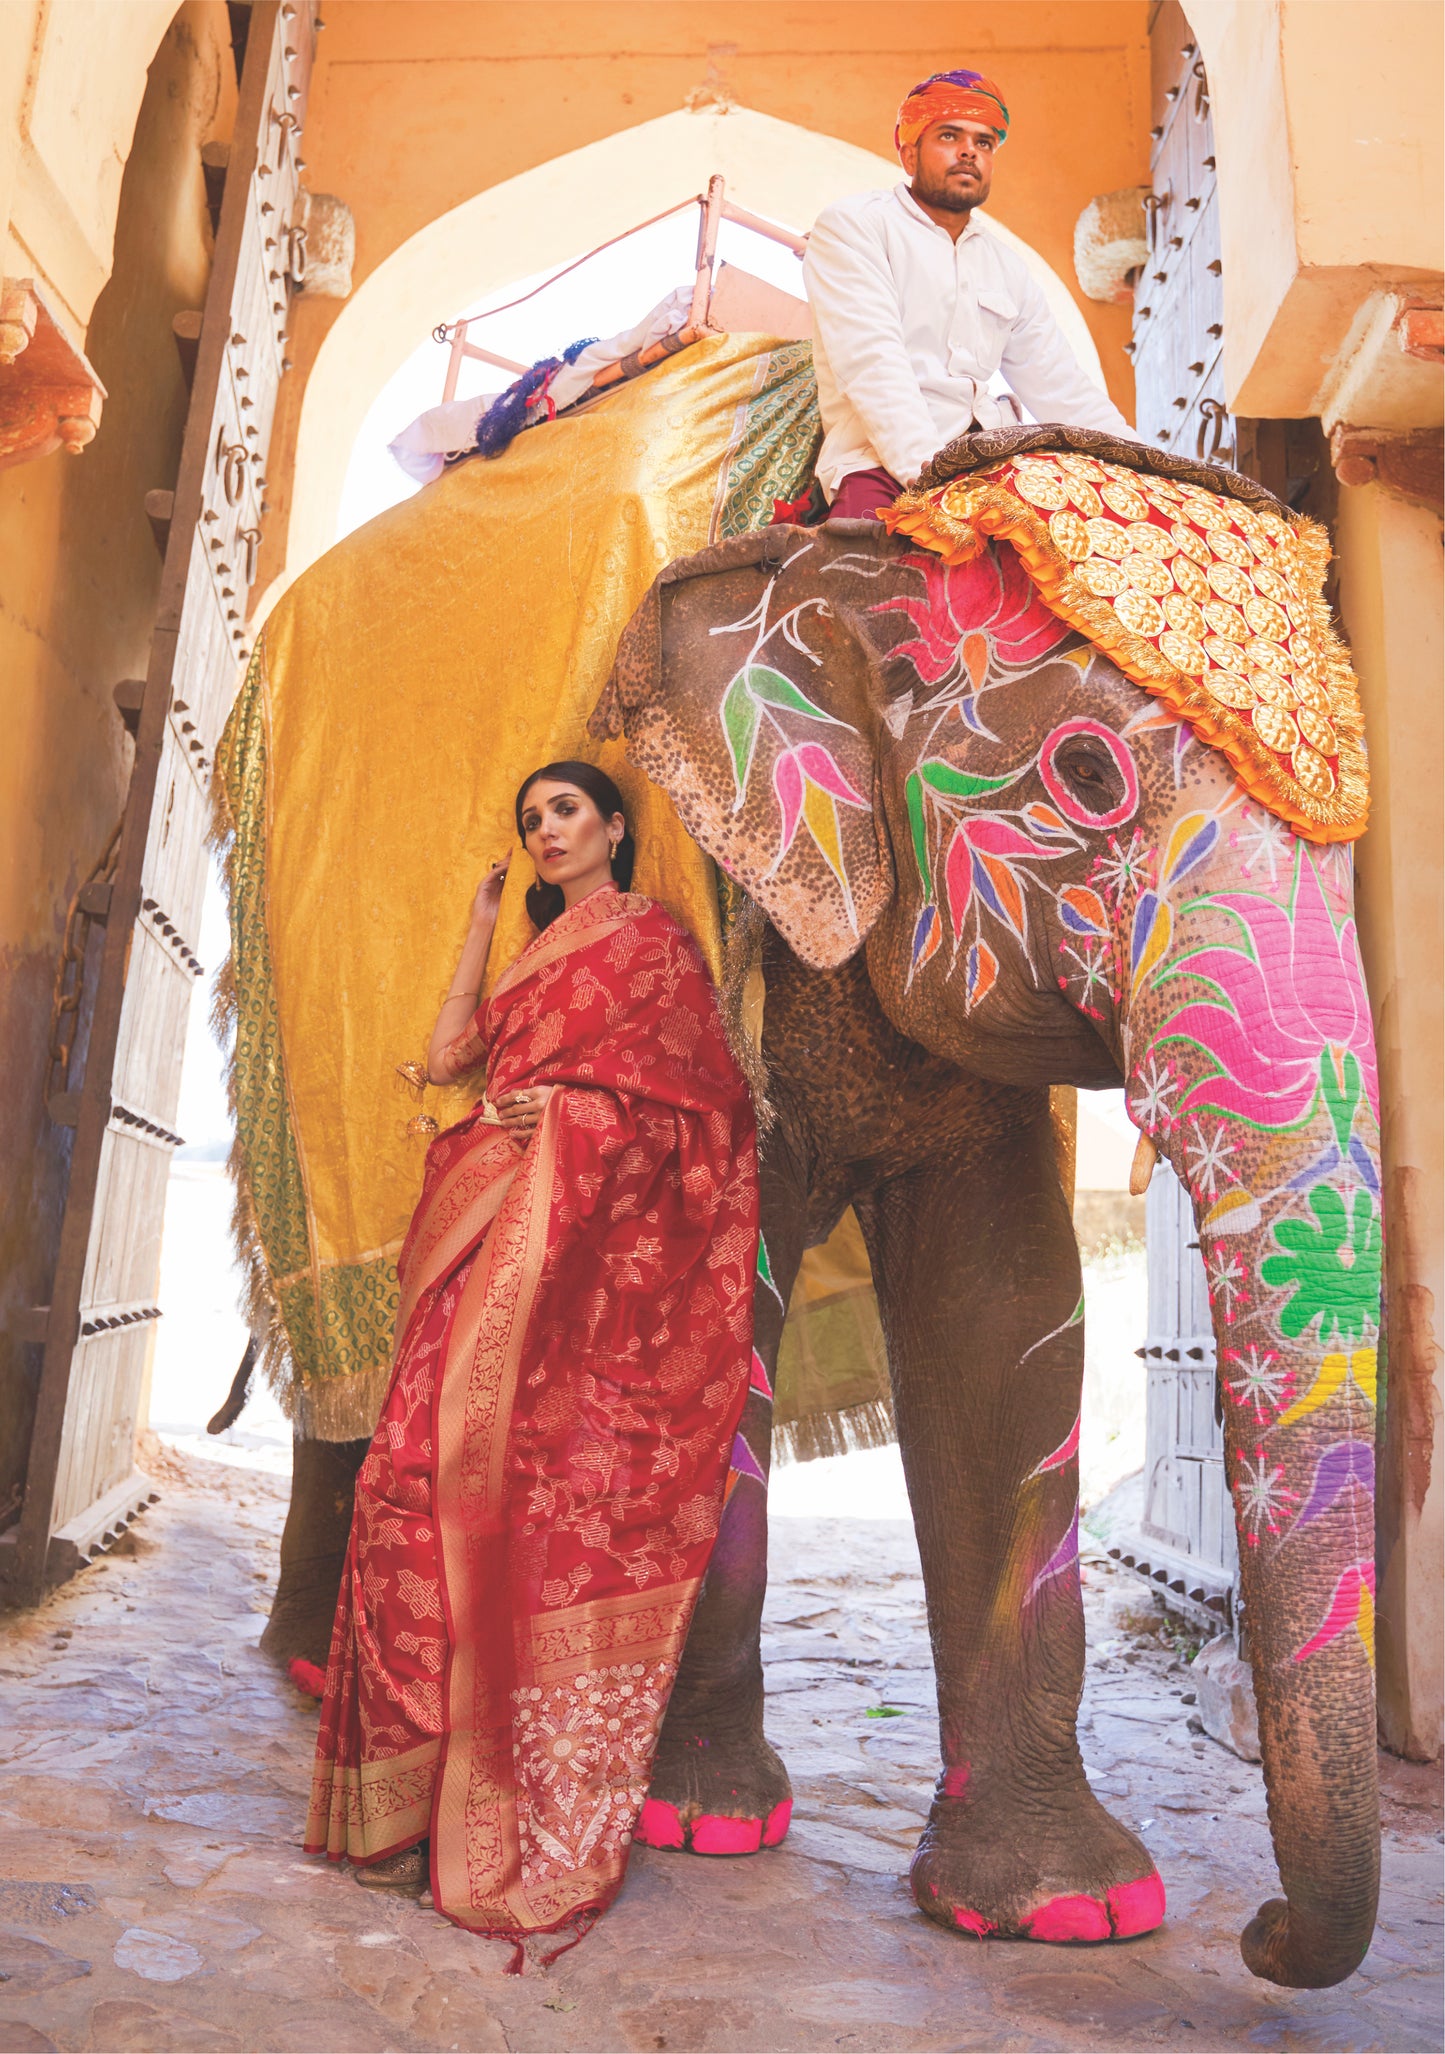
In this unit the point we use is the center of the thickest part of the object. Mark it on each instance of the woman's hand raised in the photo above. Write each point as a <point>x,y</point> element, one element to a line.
<point>521,1110</point>
<point>489,893</point>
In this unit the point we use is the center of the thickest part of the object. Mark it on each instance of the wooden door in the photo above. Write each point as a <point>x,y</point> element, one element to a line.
<point>82,1484</point>
<point>1178,341</point>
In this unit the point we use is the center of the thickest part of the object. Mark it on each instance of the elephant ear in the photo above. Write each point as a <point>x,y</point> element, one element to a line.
<point>747,694</point>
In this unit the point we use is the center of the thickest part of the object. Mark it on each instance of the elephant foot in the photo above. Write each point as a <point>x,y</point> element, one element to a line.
<point>716,1797</point>
<point>1074,1874</point>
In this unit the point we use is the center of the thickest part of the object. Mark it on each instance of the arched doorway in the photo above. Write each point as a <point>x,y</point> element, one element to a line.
<point>545,217</point>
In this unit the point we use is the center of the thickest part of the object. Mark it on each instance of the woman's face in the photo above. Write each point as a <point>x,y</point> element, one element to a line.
<point>566,837</point>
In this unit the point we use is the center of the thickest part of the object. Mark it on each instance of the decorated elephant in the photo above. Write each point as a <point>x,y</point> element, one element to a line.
<point>1053,786</point>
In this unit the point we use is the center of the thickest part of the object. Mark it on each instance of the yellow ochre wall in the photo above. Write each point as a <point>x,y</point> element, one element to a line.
<point>79,578</point>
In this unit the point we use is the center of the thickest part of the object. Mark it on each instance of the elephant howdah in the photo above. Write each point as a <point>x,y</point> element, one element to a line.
<point>992,862</point>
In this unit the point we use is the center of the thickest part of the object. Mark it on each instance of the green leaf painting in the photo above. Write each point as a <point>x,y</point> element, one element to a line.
<point>740,717</point>
<point>961,784</point>
<point>757,685</point>
<point>1332,1270</point>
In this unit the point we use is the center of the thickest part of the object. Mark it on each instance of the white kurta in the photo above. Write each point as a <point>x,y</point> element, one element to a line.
<point>908,328</point>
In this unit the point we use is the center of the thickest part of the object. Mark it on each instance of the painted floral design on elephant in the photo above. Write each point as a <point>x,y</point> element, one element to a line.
<point>977,625</point>
<point>808,781</point>
<point>988,855</point>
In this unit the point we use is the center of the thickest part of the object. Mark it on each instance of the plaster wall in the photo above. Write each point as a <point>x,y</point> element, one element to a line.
<point>72,76</point>
<point>79,579</point>
<point>1390,594</point>
<point>1328,126</point>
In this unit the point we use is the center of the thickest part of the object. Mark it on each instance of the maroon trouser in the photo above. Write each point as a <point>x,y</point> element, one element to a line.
<point>862,493</point>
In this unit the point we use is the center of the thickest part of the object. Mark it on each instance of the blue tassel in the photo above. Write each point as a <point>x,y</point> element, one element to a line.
<point>506,417</point>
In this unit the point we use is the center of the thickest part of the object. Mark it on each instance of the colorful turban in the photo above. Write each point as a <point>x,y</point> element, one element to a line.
<point>951,96</point>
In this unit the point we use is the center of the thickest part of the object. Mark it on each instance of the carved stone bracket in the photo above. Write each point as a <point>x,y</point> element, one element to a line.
<point>1111,244</point>
<point>324,246</point>
<point>50,398</point>
<point>1409,463</point>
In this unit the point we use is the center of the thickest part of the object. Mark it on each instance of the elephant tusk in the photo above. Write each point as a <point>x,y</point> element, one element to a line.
<point>1142,1167</point>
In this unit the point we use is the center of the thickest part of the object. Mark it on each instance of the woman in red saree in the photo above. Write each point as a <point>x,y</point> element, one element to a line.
<point>539,1502</point>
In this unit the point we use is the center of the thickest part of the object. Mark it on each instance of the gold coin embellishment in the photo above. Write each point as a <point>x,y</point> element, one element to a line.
<point>1147,540</point>
<point>1183,615</point>
<point>1269,584</point>
<point>1231,689</point>
<point>1070,536</point>
<point>1228,654</point>
<point>1276,729</point>
<point>1259,544</point>
<point>1269,656</point>
<point>1266,619</point>
<point>1084,497</point>
<point>1206,512</point>
<point>1302,650</point>
<point>1229,547</point>
<point>1224,620</point>
<point>1104,579</point>
<point>1317,731</point>
<point>1193,546</point>
<point>1312,771</point>
<point>1140,613</point>
<point>1184,652</point>
<point>1230,583</point>
<point>1190,579</point>
<point>1040,488</point>
<point>1147,574</point>
<point>1082,467</point>
<point>1275,691</point>
<point>1310,692</point>
<point>1125,501</point>
<point>1163,491</point>
<point>1107,538</point>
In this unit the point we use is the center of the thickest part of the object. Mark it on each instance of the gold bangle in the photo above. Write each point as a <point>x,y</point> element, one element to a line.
<point>469,996</point>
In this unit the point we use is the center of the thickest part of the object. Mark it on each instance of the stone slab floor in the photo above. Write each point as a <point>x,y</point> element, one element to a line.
<point>153,1771</point>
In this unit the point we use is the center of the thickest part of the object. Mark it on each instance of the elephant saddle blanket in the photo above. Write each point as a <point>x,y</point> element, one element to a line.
<point>540,1498</point>
<point>1198,583</point>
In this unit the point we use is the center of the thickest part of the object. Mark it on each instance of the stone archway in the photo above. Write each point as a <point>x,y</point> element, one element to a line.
<point>542,218</point>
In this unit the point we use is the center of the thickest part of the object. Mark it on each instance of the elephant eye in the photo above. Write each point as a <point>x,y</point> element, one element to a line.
<point>1091,773</point>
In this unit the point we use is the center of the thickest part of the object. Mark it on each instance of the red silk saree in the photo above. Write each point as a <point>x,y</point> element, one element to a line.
<point>539,1502</point>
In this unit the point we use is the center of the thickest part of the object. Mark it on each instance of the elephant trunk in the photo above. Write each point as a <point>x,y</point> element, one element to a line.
<point>1289,1232</point>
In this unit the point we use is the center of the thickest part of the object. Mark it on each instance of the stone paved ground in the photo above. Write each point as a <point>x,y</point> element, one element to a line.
<point>152,1894</point>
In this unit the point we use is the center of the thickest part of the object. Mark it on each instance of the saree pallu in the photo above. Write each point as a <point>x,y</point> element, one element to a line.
<point>537,1508</point>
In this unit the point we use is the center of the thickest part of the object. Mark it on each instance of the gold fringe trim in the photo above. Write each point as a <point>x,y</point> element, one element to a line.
<point>341,1408</point>
<point>816,1434</point>
<point>990,509</point>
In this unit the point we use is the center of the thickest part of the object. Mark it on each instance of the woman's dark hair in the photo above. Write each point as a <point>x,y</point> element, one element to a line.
<point>545,901</point>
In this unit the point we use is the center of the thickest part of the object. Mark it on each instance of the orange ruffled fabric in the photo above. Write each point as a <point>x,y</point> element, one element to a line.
<point>1212,606</point>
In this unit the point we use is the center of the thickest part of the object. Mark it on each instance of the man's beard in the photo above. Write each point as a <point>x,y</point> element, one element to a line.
<point>949,198</point>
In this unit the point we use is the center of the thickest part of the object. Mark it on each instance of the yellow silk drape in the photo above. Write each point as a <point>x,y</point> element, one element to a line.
<point>412,678</point>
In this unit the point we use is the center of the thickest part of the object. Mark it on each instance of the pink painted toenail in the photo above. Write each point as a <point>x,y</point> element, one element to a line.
<point>726,1836</point>
<point>777,1823</point>
<point>1069,1918</point>
<point>1137,1907</point>
<point>973,1922</point>
<point>659,1825</point>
